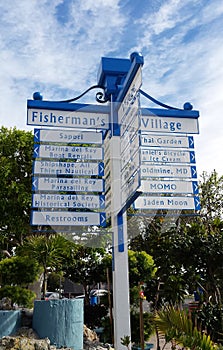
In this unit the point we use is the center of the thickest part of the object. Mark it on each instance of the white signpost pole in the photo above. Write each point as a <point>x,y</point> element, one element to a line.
<point>120,251</point>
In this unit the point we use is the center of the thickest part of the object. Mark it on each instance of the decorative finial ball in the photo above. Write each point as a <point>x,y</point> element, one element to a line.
<point>37,96</point>
<point>188,106</point>
<point>133,55</point>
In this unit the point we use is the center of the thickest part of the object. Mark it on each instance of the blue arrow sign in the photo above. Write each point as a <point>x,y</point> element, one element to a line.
<point>191,141</point>
<point>36,151</point>
<point>101,169</point>
<point>35,184</point>
<point>195,187</point>
<point>102,219</point>
<point>102,201</point>
<point>197,204</point>
<point>193,172</point>
<point>192,157</point>
<point>36,135</point>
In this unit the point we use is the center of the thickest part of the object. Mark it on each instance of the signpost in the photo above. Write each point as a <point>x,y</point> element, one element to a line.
<point>145,156</point>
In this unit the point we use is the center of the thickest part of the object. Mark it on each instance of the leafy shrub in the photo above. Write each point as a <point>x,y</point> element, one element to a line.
<point>18,295</point>
<point>18,271</point>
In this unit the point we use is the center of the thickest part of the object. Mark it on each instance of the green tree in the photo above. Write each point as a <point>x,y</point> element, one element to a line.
<point>86,266</point>
<point>49,250</point>
<point>16,148</point>
<point>14,281</point>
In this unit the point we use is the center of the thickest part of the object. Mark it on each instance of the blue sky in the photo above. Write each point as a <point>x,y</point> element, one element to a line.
<point>55,46</point>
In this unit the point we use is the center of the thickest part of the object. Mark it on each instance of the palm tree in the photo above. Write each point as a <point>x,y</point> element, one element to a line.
<point>48,250</point>
<point>178,328</point>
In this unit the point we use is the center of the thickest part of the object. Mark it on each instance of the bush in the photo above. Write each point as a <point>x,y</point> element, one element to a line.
<point>18,270</point>
<point>21,296</point>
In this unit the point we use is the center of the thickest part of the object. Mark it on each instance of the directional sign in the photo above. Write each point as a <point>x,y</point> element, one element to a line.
<point>130,104</point>
<point>75,201</point>
<point>167,203</point>
<point>175,125</point>
<point>67,115</point>
<point>130,188</point>
<point>130,168</point>
<point>153,140</point>
<point>129,152</point>
<point>127,138</point>
<point>68,152</point>
<point>68,168</point>
<point>167,156</point>
<point>131,126</point>
<point>68,136</point>
<point>59,184</point>
<point>68,218</point>
<point>169,186</point>
<point>168,171</point>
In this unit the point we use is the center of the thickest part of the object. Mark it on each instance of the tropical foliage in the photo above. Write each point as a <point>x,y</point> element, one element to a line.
<point>178,328</point>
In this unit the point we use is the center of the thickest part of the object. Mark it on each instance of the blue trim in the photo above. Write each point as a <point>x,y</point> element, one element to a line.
<point>195,187</point>
<point>102,219</point>
<point>121,246</point>
<point>137,62</point>
<point>169,113</point>
<point>101,168</point>
<point>192,157</point>
<point>102,201</point>
<point>130,200</point>
<point>197,204</point>
<point>191,141</point>
<point>65,106</point>
<point>36,135</point>
<point>193,172</point>
<point>35,179</point>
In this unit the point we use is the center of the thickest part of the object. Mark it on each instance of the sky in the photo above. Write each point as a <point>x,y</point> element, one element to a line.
<point>55,47</point>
